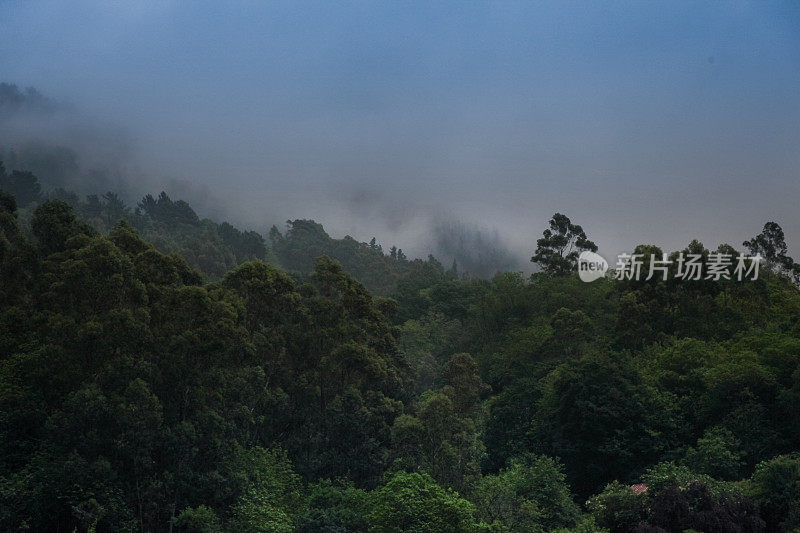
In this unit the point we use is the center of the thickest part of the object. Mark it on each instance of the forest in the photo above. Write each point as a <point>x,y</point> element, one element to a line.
<point>165,372</point>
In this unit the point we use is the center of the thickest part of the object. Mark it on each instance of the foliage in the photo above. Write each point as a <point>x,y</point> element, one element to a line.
<point>530,494</point>
<point>304,240</point>
<point>334,507</point>
<point>558,249</point>
<point>602,419</point>
<point>771,245</point>
<point>159,370</point>
<point>22,184</point>
<point>716,454</point>
<point>441,437</point>
<point>201,519</point>
<point>775,485</point>
<point>617,507</point>
<point>126,382</point>
<point>414,502</point>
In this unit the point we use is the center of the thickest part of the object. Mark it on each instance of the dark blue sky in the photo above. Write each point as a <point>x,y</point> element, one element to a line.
<point>644,122</point>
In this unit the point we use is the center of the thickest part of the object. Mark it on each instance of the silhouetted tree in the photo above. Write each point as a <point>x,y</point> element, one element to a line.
<point>23,185</point>
<point>771,245</point>
<point>558,249</point>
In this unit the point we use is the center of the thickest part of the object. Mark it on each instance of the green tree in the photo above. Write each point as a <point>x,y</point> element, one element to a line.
<point>442,437</point>
<point>558,250</point>
<point>54,223</point>
<point>271,492</point>
<point>771,245</point>
<point>716,454</point>
<point>617,507</point>
<point>601,418</point>
<point>413,502</point>
<point>775,485</point>
<point>530,494</point>
<point>334,507</point>
<point>200,519</point>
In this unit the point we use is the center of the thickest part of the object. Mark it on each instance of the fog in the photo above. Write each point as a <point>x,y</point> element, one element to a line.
<point>413,121</point>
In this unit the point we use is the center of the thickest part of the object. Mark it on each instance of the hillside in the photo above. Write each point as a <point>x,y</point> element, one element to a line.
<point>233,386</point>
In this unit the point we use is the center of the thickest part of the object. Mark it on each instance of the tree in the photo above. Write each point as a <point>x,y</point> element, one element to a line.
<point>695,507</point>
<point>464,385</point>
<point>775,485</point>
<point>531,494</point>
<point>166,211</point>
<point>334,507</point>
<point>93,206</point>
<point>201,519</point>
<point>414,502</point>
<point>571,330</point>
<point>442,438</point>
<point>23,185</point>
<point>270,492</point>
<point>617,507</point>
<point>599,416</point>
<point>115,208</point>
<point>54,223</point>
<point>716,454</point>
<point>558,250</point>
<point>771,245</point>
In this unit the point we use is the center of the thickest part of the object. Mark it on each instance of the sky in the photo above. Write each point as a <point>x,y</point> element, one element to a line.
<point>645,122</point>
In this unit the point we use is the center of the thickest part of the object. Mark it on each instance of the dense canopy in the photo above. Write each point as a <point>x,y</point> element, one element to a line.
<point>163,372</point>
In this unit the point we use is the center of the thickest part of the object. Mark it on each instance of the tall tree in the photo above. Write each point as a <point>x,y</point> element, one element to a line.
<point>771,245</point>
<point>558,249</point>
<point>22,184</point>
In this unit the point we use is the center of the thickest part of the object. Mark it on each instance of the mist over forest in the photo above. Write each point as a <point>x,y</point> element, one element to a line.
<point>383,122</point>
<point>380,267</point>
<point>66,148</point>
